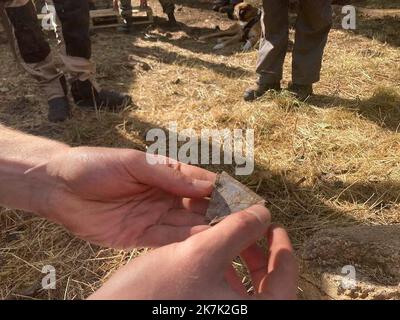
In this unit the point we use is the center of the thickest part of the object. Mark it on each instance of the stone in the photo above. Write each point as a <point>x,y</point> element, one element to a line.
<point>359,262</point>
<point>230,196</point>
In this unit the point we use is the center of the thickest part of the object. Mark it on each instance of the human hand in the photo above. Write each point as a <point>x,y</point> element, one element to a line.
<point>201,266</point>
<point>115,198</point>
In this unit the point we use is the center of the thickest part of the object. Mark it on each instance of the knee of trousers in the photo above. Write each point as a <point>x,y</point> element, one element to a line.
<point>322,25</point>
<point>75,22</point>
<point>28,33</point>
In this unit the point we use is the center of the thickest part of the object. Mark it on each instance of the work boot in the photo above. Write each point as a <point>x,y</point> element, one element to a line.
<point>259,89</point>
<point>58,109</point>
<point>87,96</point>
<point>301,91</point>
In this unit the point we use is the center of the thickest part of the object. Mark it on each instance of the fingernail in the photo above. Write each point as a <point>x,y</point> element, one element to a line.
<point>261,213</point>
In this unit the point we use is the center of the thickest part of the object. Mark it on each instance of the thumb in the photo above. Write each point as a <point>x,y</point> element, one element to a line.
<point>237,232</point>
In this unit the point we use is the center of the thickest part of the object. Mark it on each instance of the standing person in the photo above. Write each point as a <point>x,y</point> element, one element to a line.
<point>74,40</point>
<point>313,24</point>
<point>125,9</point>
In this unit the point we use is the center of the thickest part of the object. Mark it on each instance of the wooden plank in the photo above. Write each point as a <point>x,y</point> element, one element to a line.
<point>109,13</point>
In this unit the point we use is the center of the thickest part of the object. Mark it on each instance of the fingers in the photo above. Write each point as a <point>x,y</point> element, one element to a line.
<point>282,279</point>
<point>234,281</point>
<point>235,233</point>
<point>256,262</point>
<point>198,206</point>
<point>181,217</point>
<point>160,235</point>
<point>174,177</point>
<point>197,172</point>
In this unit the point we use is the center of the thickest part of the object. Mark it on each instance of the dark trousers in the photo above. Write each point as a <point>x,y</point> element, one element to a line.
<point>313,24</point>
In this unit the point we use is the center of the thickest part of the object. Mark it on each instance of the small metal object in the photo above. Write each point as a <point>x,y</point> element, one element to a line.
<point>230,196</point>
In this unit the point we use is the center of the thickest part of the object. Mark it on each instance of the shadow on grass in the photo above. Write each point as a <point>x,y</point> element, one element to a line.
<point>377,20</point>
<point>303,208</point>
<point>191,34</point>
<point>384,29</point>
<point>201,4</point>
<point>382,108</point>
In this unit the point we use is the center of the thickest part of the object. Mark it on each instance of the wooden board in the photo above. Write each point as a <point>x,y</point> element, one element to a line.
<point>109,18</point>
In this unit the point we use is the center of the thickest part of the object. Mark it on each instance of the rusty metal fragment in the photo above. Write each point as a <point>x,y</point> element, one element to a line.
<point>229,196</point>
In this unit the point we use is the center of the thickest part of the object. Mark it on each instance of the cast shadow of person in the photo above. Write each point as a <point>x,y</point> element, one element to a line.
<point>383,107</point>
<point>303,205</point>
<point>379,23</point>
<point>190,41</point>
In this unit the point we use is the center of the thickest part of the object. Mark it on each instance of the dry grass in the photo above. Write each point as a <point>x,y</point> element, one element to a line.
<point>332,161</point>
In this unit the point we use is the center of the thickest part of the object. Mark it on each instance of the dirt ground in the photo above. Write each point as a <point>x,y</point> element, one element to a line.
<point>332,161</point>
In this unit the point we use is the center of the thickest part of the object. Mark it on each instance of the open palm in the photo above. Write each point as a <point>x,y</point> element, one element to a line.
<point>115,198</point>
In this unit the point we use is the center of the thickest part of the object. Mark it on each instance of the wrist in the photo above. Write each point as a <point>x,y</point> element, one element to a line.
<point>24,182</point>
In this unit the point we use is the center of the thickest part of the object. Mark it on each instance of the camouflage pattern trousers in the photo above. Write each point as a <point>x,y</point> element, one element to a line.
<point>33,50</point>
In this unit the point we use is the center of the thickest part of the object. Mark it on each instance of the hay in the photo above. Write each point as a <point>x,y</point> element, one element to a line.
<point>332,161</point>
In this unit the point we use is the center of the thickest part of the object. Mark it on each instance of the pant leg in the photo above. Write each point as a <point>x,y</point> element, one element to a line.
<point>274,40</point>
<point>168,6</point>
<point>125,10</point>
<point>75,44</point>
<point>33,48</point>
<point>313,24</point>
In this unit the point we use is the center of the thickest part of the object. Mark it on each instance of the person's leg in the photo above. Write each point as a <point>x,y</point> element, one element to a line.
<point>169,9</point>
<point>273,47</point>
<point>125,10</point>
<point>73,16</point>
<point>36,58</point>
<point>313,24</point>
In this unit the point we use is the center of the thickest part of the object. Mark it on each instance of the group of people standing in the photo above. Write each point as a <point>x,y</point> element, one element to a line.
<point>313,25</point>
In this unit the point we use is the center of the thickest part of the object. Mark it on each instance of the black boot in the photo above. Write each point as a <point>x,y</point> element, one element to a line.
<point>301,91</point>
<point>86,95</point>
<point>58,109</point>
<point>259,89</point>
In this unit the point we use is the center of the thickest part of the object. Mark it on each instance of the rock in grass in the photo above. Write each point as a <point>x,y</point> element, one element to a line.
<point>230,196</point>
<point>360,262</point>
